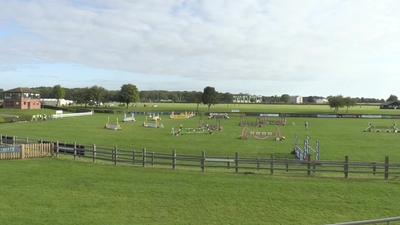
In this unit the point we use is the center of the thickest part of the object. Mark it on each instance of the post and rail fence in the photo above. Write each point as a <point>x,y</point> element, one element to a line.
<point>238,164</point>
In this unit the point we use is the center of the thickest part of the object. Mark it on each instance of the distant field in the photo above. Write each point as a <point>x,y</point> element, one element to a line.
<point>280,108</point>
<point>273,108</point>
<point>53,191</point>
<point>338,137</point>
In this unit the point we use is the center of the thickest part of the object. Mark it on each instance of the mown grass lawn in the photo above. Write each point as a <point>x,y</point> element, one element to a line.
<point>61,191</point>
<point>337,137</point>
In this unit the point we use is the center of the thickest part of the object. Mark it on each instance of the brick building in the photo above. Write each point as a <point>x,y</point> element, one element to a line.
<point>21,98</point>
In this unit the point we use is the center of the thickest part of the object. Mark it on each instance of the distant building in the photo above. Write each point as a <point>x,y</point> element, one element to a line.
<point>315,100</point>
<point>53,102</point>
<point>246,98</point>
<point>390,105</point>
<point>321,101</point>
<point>296,99</point>
<point>21,98</point>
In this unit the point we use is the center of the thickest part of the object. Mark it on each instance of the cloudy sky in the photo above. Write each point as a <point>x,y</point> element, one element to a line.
<point>263,47</point>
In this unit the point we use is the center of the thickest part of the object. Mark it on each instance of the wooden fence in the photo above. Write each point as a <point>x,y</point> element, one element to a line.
<point>34,150</point>
<point>246,165</point>
<point>271,165</point>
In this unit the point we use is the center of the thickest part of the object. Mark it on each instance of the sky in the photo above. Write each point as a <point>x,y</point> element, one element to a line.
<point>260,47</point>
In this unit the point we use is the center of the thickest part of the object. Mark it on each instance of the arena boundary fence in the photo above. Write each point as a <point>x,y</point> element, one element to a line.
<point>246,165</point>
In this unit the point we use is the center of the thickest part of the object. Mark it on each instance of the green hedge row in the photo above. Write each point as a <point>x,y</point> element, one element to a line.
<point>78,110</point>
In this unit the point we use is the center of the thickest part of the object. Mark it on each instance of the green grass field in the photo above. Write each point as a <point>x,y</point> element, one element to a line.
<point>62,191</point>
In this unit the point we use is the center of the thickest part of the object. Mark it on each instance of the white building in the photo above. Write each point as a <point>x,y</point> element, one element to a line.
<point>296,99</point>
<point>321,101</point>
<point>246,98</point>
<point>53,102</point>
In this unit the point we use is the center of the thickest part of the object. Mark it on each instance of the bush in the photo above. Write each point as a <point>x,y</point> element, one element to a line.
<point>103,111</point>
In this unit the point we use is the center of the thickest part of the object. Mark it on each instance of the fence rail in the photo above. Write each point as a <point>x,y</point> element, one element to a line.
<point>374,221</point>
<point>238,164</point>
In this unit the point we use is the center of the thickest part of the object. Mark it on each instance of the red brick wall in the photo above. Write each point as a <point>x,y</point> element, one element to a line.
<point>22,104</point>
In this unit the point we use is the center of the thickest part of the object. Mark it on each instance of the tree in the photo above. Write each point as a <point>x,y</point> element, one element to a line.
<point>128,93</point>
<point>392,98</point>
<point>227,97</point>
<point>144,95</point>
<point>349,102</point>
<point>197,97</point>
<point>175,97</point>
<point>336,102</point>
<point>285,98</point>
<point>111,96</point>
<point>98,94</point>
<point>1,93</point>
<point>83,96</point>
<point>210,97</point>
<point>274,99</point>
<point>58,93</point>
<point>264,99</point>
<point>45,92</point>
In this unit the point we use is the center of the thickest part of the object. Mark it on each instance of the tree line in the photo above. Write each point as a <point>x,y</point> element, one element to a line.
<point>129,93</point>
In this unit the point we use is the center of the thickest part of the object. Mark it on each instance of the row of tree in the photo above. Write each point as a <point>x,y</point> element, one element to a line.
<point>339,101</point>
<point>96,94</point>
<point>129,94</point>
<point>181,96</point>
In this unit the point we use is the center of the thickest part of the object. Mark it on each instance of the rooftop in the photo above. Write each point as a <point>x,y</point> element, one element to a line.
<point>22,90</point>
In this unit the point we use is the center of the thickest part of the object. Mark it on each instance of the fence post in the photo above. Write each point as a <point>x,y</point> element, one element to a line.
<point>272,164</point>
<point>152,158</point>
<point>115,155</point>
<point>74,150</point>
<point>52,151</point>
<point>374,168</point>
<point>346,166</point>
<point>14,140</point>
<point>258,163</point>
<point>173,159</point>
<point>386,167</point>
<point>57,149</point>
<point>144,157</point>
<point>229,162</point>
<point>79,150</point>
<point>203,160</point>
<point>308,165</point>
<point>133,156</point>
<point>287,165</point>
<point>237,162</point>
<point>94,153</point>
<point>27,140</point>
<point>314,166</point>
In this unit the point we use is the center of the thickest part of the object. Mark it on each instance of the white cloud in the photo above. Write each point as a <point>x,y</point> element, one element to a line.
<point>294,43</point>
